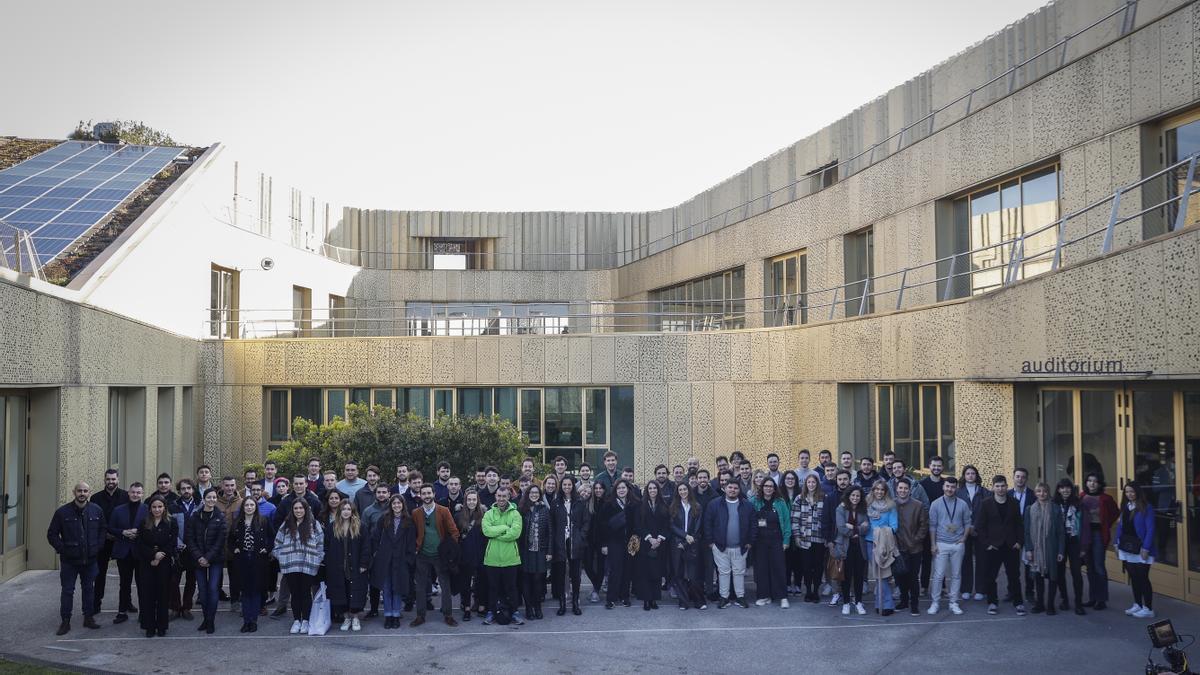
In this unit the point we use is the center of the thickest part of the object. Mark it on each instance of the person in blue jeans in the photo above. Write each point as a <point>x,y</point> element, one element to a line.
<point>205,536</point>
<point>881,512</point>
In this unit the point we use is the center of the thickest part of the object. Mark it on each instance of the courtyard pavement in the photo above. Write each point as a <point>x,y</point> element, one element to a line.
<point>808,638</point>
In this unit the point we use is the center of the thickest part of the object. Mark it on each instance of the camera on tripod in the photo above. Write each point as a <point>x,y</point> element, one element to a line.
<point>1164,637</point>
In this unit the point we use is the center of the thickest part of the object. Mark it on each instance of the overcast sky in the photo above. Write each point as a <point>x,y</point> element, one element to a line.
<point>478,105</point>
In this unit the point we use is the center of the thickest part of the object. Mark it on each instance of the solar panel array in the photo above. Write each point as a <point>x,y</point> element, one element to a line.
<point>60,194</point>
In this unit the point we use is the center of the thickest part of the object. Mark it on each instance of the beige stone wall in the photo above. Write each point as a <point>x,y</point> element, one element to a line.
<point>759,390</point>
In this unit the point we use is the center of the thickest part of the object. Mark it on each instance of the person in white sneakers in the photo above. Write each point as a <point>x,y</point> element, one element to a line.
<point>949,527</point>
<point>1135,548</point>
<point>852,525</point>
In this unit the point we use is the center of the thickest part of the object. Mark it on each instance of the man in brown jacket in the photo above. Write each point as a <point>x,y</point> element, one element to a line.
<point>913,520</point>
<point>434,525</point>
<point>229,502</point>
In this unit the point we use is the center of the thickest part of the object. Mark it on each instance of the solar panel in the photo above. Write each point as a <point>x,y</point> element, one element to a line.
<point>62,193</point>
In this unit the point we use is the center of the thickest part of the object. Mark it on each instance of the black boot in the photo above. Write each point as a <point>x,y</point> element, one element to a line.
<point>575,604</point>
<point>529,613</point>
<point>1050,611</point>
<point>562,605</point>
<point>538,608</point>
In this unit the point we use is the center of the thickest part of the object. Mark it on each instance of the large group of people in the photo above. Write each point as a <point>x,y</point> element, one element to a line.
<point>824,529</point>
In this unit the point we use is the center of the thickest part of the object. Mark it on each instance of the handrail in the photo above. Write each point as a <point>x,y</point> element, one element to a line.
<point>816,180</point>
<point>1017,261</point>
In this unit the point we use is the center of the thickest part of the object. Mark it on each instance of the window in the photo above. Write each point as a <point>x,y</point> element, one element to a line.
<point>426,318</point>
<point>459,254</point>
<point>443,401</point>
<point>531,415</point>
<point>302,310</point>
<point>1179,138</point>
<point>335,404</point>
<point>506,403</point>
<point>415,400</point>
<point>785,287</point>
<point>915,421</point>
<point>188,426</point>
<point>360,397</point>
<point>563,417</point>
<point>475,402</point>
<point>166,430</point>
<point>127,430</point>
<point>859,257</point>
<point>306,403</point>
<point>987,220</point>
<point>713,302</point>
<point>339,320</point>
<point>595,415</point>
<point>223,303</point>
<point>281,423</point>
<point>381,397</point>
<point>823,177</point>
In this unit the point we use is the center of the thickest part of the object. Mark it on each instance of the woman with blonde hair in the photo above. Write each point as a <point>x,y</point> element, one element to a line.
<point>881,513</point>
<point>347,556</point>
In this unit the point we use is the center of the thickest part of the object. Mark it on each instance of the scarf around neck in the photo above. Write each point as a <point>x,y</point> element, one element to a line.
<point>1039,521</point>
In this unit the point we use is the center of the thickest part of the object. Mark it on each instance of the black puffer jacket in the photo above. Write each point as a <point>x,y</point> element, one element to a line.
<point>204,536</point>
<point>77,534</point>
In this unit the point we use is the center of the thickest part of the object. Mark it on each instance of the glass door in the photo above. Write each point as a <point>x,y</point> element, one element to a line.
<point>13,423</point>
<point>1191,445</point>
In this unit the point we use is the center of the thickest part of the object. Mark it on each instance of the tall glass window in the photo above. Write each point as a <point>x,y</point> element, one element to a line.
<point>306,403</point>
<point>858,252</point>
<point>786,288</point>
<point>712,302</point>
<point>506,403</point>
<point>595,403</point>
<point>443,401</point>
<point>916,422</point>
<point>531,415</point>
<point>416,401</point>
<point>281,422</point>
<point>474,402</point>
<point>564,417</point>
<point>335,404</point>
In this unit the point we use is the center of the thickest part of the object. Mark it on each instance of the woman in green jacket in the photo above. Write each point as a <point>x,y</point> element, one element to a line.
<point>502,560</point>
<point>772,520</point>
<point>1045,541</point>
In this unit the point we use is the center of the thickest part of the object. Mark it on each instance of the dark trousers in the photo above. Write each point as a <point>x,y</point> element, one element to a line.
<point>235,583</point>
<point>620,573</point>
<point>571,570</point>
<point>502,587</point>
<point>854,569</point>
<point>127,569</point>
<point>910,582</point>
<point>462,584</point>
<point>593,566</point>
<point>1096,571</point>
<point>208,583</point>
<point>707,571</point>
<point>1139,580</point>
<point>427,566</point>
<point>533,587</point>
<point>770,577</point>
<point>557,572</point>
<point>300,585</point>
<point>182,603</point>
<point>102,559</point>
<point>793,560</point>
<point>1071,559</point>
<point>1040,584</point>
<point>86,573</point>
<point>154,594</point>
<point>1010,558</point>
<point>812,567</point>
<point>973,573</point>
<point>253,594</point>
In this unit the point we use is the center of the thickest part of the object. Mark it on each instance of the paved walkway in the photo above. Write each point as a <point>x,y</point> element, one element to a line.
<point>760,639</point>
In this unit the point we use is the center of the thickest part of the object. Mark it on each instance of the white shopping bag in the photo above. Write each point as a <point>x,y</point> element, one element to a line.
<point>319,619</point>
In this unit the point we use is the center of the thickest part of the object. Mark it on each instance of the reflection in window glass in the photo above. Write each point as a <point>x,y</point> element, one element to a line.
<point>306,403</point>
<point>361,396</point>
<point>1191,439</point>
<point>383,397</point>
<point>280,419</point>
<point>443,401</point>
<point>1154,443</point>
<point>597,420</point>
<point>531,415</point>
<point>506,403</point>
<point>335,404</point>
<point>475,402</point>
<point>884,428</point>
<point>416,401</point>
<point>564,416</point>
<point>947,431</point>
<point>1000,214</point>
<point>1098,428</point>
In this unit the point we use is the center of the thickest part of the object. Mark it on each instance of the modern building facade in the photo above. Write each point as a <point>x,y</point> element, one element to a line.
<point>997,262</point>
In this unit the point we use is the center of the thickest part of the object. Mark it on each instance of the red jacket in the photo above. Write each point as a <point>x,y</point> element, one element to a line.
<point>1109,513</point>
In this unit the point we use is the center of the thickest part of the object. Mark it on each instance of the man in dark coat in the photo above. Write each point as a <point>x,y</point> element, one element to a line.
<point>76,533</point>
<point>123,526</point>
<point>107,499</point>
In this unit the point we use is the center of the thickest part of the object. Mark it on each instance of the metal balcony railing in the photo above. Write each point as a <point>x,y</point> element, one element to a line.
<point>1119,220</point>
<point>1036,67</point>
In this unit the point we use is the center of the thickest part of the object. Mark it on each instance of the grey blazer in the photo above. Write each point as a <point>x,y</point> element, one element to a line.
<point>842,545</point>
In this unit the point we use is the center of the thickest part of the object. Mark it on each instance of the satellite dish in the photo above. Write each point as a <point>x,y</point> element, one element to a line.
<point>267,264</point>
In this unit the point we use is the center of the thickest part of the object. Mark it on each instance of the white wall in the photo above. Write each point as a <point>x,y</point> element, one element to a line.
<point>160,275</point>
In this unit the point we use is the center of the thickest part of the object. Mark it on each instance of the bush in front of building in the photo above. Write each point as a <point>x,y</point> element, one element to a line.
<point>387,438</point>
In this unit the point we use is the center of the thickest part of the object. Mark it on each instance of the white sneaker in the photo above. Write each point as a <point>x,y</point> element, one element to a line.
<point>979,596</point>
<point>436,590</point>
<point>858,607</point>
<point>304,627</point>
<point>966,596</point>
<point>1144,613</point>
<point>955,609</point>
<point>826,589</point>
<point>355,625</point>
<point>837,597</point>
<point>1133,609</point>
<point>762,601</point>
<point>933,608</point>
<point>846,609</point>
<point>346,624</point>
<point>594,597</point>
<point>295,627</point>
<point>783,604</point>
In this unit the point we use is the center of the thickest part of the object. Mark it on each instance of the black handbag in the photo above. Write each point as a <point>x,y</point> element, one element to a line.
<point>1129,541</point>
<point>899,565</point>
